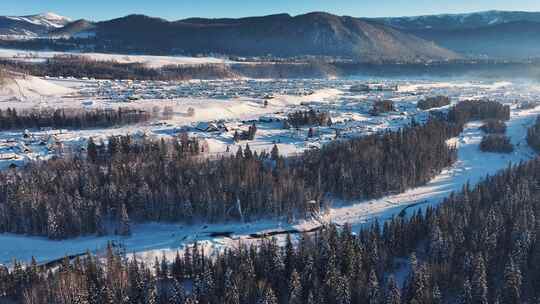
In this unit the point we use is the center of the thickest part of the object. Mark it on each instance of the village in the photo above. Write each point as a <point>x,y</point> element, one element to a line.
<point>226,114</point>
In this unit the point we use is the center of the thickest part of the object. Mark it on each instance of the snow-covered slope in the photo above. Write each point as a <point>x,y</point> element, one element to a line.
<point>147,60</point>
<point>24,27</point>
<point>20,88</point>
<point>44,19</point>
<point>460,21</point>
<point>491,34</point>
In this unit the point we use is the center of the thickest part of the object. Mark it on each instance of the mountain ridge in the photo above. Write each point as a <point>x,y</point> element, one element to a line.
<point>489,34</point>
<point>459,21</point>
<point>283,35</point>
<point>30,26</point>
<point>437,37</point>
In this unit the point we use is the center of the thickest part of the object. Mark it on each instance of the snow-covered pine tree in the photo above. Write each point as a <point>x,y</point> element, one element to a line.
<point>125,224</point>
<point>295,289</point>
<point>393,293</point>
<point>177,294</point>
<point>479,281</point>
<point>512,283</point>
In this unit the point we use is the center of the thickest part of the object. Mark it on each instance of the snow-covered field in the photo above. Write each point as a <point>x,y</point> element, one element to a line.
<point>149,61</point>
<point>348,111</point>
<point>30,88</point>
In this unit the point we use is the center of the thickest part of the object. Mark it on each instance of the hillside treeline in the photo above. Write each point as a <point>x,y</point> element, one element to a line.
<point>469,110</point>
<point>80,66</point>
<point>481,245</point>
<point>12,118</point>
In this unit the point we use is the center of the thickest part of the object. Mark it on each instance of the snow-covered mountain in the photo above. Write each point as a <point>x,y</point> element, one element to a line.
<point>312,34</point>
<point>460,21</point>
<point>24,27</point>
<point>489,34</point>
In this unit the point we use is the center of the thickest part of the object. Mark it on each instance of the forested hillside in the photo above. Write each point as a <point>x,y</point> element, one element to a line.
<point>281,35</point>
<point>480,246</point>
<point>145,180</point>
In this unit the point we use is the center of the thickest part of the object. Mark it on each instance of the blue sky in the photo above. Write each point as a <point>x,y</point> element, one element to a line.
<point>178,9</point>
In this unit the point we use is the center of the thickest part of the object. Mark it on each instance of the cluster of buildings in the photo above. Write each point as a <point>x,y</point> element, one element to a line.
<point>27,145</point>
<point>128,90</point>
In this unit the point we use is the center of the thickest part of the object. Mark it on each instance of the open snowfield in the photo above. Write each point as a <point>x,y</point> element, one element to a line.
<point>149,61</point>
<point>348,111</point>
<point>30,88</point>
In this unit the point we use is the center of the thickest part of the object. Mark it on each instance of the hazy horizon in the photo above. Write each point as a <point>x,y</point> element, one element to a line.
<point>174,10</point>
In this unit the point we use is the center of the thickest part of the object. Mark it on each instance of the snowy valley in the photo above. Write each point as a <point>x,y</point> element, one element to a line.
<point>219,152</point>
<point>222,107</point>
